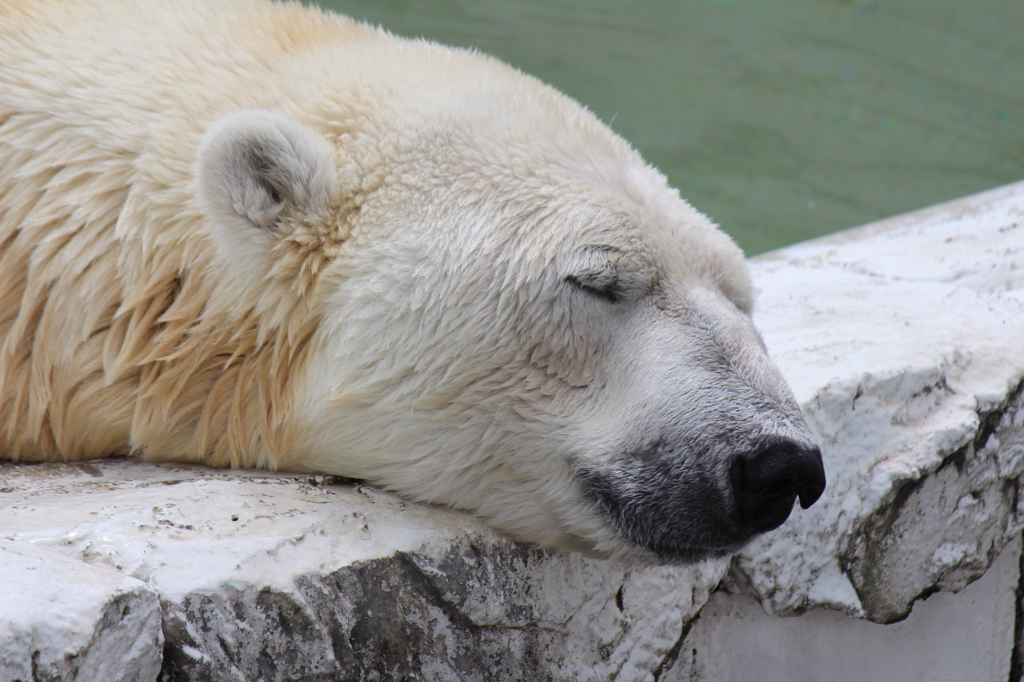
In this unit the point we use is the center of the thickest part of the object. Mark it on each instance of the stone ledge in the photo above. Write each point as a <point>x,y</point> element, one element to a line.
<point>902,343</point>
<point>273,576</point>
<point>62,619</point>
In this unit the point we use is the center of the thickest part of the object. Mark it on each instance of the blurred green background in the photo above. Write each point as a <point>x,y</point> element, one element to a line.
<point>782,120</point>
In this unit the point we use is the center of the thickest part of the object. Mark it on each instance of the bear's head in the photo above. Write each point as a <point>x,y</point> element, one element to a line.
<point>515,315</point>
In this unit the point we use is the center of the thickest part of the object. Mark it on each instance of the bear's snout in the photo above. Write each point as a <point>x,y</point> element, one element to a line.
<point>668,503</point>
<point>766,484</point>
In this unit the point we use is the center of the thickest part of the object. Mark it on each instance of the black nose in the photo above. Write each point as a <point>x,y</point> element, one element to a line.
<point>767,483</point>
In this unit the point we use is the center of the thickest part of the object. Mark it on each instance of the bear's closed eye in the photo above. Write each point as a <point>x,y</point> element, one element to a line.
<point>606,291</point>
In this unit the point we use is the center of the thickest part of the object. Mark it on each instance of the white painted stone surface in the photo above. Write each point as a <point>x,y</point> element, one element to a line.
<point>61,619</point>
<point>270,576</point>
<point>904,342</point>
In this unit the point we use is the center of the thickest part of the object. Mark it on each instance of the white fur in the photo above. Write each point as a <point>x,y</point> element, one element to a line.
<point>298,166</point>
<point>431,204</point>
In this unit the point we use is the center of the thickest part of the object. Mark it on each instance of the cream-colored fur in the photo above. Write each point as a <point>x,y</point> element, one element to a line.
<point>391,305</point>
<point>119,331</point>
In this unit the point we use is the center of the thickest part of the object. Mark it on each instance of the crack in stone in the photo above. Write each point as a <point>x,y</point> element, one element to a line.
<point>866,558</point>
<point>673,654</point>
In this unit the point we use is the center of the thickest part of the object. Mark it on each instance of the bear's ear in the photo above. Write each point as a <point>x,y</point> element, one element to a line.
<point>251,165</point>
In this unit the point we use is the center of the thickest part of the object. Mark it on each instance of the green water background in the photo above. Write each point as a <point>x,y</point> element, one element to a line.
<point>782,119</point>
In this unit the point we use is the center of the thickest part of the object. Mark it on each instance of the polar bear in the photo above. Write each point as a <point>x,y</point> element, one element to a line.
<point>261,235</point>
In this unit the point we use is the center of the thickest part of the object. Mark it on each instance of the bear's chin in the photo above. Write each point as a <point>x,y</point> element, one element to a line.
<point>680,524</point>
<point>690,555</point>
<point>681,553</point>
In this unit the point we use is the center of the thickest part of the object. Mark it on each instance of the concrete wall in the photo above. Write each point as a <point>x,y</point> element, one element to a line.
<point>947,637</point>
<point>904,343</point>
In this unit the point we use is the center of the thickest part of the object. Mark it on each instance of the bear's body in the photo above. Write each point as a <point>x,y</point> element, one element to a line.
<point>260,235</point>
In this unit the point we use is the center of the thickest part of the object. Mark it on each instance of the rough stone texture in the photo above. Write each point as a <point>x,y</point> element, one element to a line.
<point>276,577</point>
<point>61,619</point>
<point>904,342</point>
